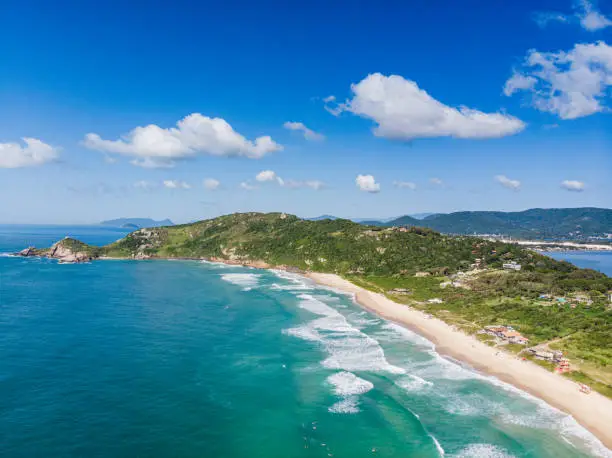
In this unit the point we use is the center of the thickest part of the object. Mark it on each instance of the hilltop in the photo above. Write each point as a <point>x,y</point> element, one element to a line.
<point>463,280</point>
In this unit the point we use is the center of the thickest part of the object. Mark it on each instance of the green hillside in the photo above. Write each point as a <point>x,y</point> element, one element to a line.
<point>537,223</point>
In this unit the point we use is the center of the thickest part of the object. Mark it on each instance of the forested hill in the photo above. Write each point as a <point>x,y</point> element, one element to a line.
<point>537,223</point>
<point>339,246</point>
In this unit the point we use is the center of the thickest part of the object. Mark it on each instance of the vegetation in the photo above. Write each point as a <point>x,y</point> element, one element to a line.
<point>537,223</point>
<point>416,262</point>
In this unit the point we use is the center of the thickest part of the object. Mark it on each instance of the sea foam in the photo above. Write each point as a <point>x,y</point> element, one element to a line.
<point>245,280</point>
<point>347,383</point>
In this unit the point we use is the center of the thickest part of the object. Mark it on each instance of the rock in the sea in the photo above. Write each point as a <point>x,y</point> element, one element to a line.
<point>65,254</point>
<point>29,251</point>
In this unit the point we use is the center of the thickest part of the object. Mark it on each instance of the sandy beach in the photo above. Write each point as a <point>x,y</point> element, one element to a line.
<point>593,411</point>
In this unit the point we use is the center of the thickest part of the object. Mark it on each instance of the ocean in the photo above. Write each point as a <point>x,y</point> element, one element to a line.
<point>192,359</point>
<point>598,260</point>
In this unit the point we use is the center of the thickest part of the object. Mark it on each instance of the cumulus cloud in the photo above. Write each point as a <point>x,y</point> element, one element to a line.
<point>211,184</point>
<point>309,134</point>
<point>268,175</point>
<point>590,18</point>
<point>403,111</point>
<point>506,182</point>
<point>33,153</point>
<point>405,185</point>
<point>367,183</point>
<point>570,84</point>
<point>518,82</point>
<point>176,184</point>
<point>271,176</point>
<point>436,181</point>
<point>573,185</point>
<point>154,146</point>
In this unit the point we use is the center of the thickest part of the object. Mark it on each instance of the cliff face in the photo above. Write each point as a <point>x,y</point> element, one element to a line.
<point>65,252</point>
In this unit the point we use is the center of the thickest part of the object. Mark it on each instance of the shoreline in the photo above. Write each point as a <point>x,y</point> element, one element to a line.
<point>592,411</point>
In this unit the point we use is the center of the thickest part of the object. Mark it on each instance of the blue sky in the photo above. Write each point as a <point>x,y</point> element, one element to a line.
<point>438,106</point>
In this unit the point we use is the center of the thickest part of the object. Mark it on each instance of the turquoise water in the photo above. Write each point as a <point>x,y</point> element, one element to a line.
<point>189,359</point>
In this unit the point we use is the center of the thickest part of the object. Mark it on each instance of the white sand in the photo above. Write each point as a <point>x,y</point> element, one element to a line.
<point>593,411</point>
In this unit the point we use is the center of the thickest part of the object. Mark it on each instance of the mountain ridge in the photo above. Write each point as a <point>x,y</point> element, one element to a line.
<point>534,223</point>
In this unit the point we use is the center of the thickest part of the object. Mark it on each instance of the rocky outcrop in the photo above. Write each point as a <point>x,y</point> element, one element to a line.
<point>66,250</point>
<point>29,251</point>
<point>62,251</point>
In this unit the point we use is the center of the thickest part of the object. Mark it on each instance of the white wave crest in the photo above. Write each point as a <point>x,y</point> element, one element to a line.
<point>245,280</point>
<point>220,265</point>
<point>413,383</point>
<point>399,331</point>
<point>483,451</point>
<point>348,405</point>
<point>347,347</point>
<point>347,384</point>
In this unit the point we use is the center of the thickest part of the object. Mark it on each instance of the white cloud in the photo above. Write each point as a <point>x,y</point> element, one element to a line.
<point>405,185</point>
<point>403,111</point>
<point>312,184</point>
<point>329,98</point>
<point>586,14</point>
<point>308,133</point>
<point>367,183</point>
<point>153,146</point>
<point>271,176</point>
<point>268,175</point>
<point>571,84</point>
<point>506,182</point>
<point>591,19</point>
<point>573,185</point>
<point>544,18</point>
<point>153,163</point>
<point>518,82</point>
<point>34,153</point>
<point>247,186</point>
<point>211,184</point>
<point>176,184</point>
<point>436,181</point>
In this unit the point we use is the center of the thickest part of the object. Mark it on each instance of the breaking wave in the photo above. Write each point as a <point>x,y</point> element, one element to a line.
<point>247,281</point>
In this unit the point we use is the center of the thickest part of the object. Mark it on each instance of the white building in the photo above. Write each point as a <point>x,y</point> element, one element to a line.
<point>511,266</point>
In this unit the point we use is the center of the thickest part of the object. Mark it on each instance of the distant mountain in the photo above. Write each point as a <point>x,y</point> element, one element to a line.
<point>136,223</point>
<point>422,215</point>
<point>537,223</point>
<point>322,217</point>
